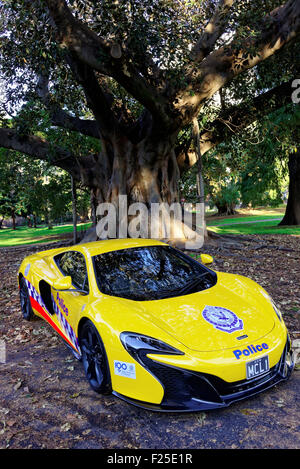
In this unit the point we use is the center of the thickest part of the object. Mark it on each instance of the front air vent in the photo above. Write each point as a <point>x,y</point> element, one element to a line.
<point>241,337</point>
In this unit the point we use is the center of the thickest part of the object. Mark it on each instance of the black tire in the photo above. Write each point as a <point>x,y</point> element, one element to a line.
<point>94,359</point>
<point>26,308</point>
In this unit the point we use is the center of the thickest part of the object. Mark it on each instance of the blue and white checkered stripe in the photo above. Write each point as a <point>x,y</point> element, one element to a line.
<point>62,320</point>
<point>35,295</point>
<point>65,325</point>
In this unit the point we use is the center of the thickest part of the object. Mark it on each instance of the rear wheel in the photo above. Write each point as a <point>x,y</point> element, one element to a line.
<point>94,359</point>
<point>25,300</point>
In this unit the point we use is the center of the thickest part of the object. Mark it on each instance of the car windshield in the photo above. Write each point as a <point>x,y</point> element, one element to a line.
<point>150,273</point>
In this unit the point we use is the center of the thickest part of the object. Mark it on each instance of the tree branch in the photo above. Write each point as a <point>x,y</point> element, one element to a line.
<point>61,118</point>
<point>212,32</point>
<point>236,118</point>
<point>277,29</point>
<point>99,101</point>
<point>99,54</point>
<point>40,149</point>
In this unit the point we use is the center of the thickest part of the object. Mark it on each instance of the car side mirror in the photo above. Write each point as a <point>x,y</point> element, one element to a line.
<point>206,259</point>
<point>64,283</point>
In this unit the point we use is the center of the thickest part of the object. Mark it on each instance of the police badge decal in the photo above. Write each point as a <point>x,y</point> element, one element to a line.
<point>222,319</point>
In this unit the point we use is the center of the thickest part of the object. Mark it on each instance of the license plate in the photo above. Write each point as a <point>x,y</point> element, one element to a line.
<point>257,367</point>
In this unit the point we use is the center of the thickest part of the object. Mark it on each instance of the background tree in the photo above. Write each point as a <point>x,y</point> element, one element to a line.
<point>36,191</point>
<point>12,199</point>
<point>252,168</point>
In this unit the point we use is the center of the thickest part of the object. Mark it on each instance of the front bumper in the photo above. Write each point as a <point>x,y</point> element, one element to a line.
<point>188,391</point>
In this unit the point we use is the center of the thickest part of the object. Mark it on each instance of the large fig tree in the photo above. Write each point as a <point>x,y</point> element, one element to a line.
<point>136,75</point>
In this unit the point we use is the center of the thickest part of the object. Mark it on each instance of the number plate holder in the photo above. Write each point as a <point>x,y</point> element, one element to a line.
<point>257,367</point>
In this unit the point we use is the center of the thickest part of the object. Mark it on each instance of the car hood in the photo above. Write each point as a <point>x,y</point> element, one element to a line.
<point>216,318</point>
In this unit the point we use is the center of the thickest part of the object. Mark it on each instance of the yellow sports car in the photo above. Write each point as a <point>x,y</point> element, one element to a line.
<point>155,327</point>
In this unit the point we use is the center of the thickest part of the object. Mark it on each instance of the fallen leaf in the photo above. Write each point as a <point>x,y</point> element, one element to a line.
<point>66,427</point>
<point>18,385</point>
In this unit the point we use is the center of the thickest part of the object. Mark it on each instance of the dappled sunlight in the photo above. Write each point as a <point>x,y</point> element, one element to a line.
<point>24,235</point>
<point>264,227</point>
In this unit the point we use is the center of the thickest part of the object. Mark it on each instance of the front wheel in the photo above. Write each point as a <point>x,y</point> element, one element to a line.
<point>94,359</point>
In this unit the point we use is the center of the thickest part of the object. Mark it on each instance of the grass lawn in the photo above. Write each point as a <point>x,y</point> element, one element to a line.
<point>265,227</point>
<point>41,234</point>
<point>246,221</point>
<point>242,219</point>
<point>251,221</point>
<point>260,212</point>
<point>255,226</point>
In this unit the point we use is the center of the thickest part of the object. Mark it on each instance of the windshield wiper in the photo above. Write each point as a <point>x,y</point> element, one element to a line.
<point>159,294</point>
<point>189,286</point>
<point>179,291</point>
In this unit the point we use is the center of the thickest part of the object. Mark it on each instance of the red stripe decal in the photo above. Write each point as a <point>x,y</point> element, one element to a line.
<point>43,313</point>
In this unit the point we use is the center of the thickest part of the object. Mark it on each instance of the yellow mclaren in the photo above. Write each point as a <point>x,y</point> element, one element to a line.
<point>155,327</point>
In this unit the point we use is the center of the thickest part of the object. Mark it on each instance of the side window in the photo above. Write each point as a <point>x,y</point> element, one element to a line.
<point>73,264</point>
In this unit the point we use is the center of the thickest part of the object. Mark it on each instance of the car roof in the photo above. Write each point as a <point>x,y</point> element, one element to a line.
<point>100,247</point>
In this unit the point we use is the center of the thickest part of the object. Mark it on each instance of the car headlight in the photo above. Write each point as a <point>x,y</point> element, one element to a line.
<point>138,346</point>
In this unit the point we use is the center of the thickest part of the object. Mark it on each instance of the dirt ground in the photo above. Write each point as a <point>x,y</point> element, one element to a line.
<point>45,401</point>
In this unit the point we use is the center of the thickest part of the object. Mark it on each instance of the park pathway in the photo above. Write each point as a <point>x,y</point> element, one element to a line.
<point>246,222</point>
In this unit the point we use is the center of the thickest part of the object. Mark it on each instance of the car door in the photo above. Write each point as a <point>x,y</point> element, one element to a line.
<point>68,305</point>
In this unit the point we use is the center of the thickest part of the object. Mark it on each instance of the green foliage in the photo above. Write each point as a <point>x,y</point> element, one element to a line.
<point>257,158</point>
<point>30,187</point>
<point>264,177</point>
<point>261,184</point>
<point>252,167</point>
<point>12,200</point>
<point>34,119</point>
<point>225,197</point>
<point>188,186</point>
<point>155,31</point>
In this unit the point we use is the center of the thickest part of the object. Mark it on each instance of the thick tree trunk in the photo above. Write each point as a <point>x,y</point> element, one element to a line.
<point>225,210</point>
<point>292,213</point>
<point>199,175</point>
<point>146,172</point>
<point>143,173</point>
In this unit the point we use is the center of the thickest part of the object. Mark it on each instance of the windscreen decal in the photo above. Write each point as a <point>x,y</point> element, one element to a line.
<point>222,319</point>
